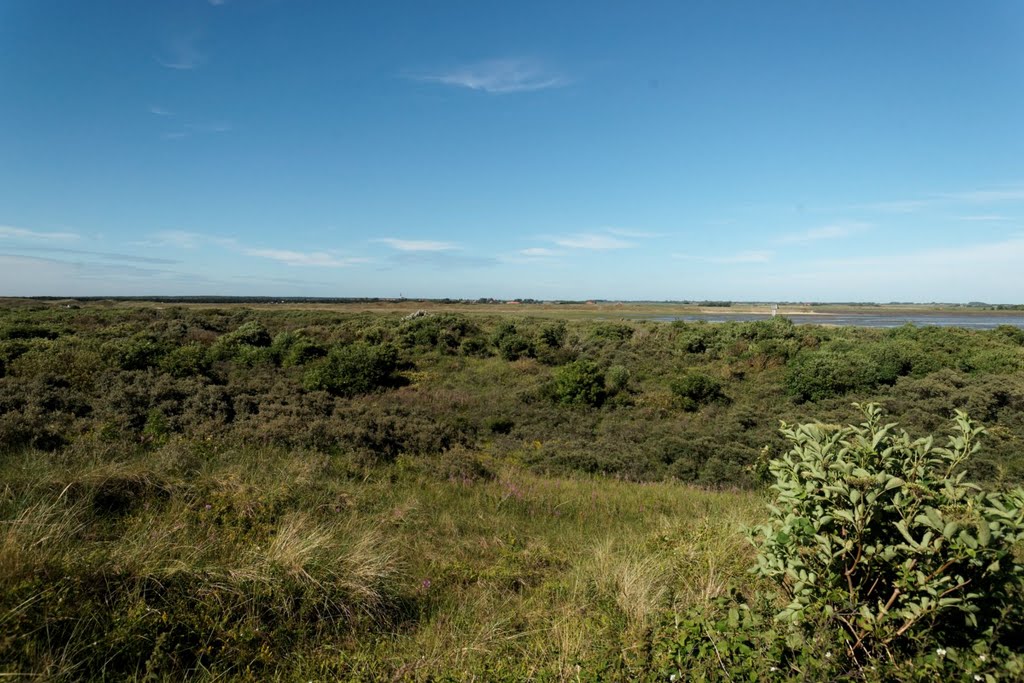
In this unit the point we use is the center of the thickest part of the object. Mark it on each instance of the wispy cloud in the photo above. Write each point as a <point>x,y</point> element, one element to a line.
<point>751,256</point>
<point>990,217</point>
<point>10,232</point>
<point>160,111</point>
<point>1013,192</point>
<point>539,252</point>
<point>417,245</point>
<point>983,271</point>
<point>1002,194</point>
<point>209,127</point>
<point>827,232</point>
<point>106,255</point>
<point>594,241</point>
<point>182,53</point>
<point>196,128</point>
<point>184,239</point>
<point>305,258</point>
<point>498,76</point>
<point>629,232</point>
<point>443,260</point>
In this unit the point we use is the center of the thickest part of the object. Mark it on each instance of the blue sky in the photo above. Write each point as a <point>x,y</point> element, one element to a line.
<point>651,150</point>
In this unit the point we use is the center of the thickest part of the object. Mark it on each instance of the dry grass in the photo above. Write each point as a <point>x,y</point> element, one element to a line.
<point>405,573</point>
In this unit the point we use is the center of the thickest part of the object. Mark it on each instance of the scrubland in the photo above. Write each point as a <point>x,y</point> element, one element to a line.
<point>307,495</point>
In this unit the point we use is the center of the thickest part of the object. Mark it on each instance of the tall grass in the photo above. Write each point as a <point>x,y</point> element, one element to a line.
<point>201,561</point>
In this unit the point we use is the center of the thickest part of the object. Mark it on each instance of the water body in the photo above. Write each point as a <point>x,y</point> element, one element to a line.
<point>967,321</point>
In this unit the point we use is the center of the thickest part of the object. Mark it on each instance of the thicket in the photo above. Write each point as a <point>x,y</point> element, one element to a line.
<point>890,565</point>
<point>642,401</point>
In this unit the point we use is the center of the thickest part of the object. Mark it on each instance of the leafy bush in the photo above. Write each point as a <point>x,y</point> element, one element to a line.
<point>26,331</point>
<point>186,361</point>
<point>553,335</point>
<point>617,378</point>
<point>696,390</point>
<point>135,353</point>
<point>444,332</point>
<point>878,537</point>
<point>1011,332</point>
<point>696,337</point>
<point>579,383</point>
<point>612,332</point>
<point>252,333</point>
<point>354,369</point>
<point>817,375</point>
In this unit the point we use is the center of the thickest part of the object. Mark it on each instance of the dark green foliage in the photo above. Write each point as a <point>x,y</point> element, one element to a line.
<point>26,331</point>
<point>444,332</point>
<point>880,538</point>
<point>499,425</point>
<point>252,333</point>
<point>294,348</point>
<point>818,375</point>
<point>510,343</point>
<point>553,336</point>
<point>696,390</point>
<point>617,379</point>
<point>135,353</point>
<point>579,383</point>
<point>1011,332</point>
<point>354,369</point>
<point>189,360</point>
<point>695,337</point>
<point>611,332</point>
<point>212,372</point>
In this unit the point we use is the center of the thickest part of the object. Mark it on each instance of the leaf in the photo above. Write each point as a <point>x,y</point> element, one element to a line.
<point>969,540</point>
<point>984,533</point>
<point>901,526</point>
<point>894,483</point>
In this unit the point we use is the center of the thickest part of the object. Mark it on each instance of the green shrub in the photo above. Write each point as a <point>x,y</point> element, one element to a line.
<point>511,344</point>
<point>499,425</point>
<point>1011,332</point>
<point>354,369</point>
<point>26,331</point>
<point>696,390</point>
<point>553,335</point>
<point>895,358</point>
<point>579,383</point>
<point>611,332</point>
<point>135,353</point>
<point>252,333</point>
<point>186,361</point>
<point>514,347</point>
<point>617,378</point>
<point>817,375</point>
<point>696,337</point>
<point>294,348</point>
<point>877,537</point>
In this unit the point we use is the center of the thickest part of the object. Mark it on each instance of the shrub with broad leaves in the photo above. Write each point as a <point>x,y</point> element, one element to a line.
<point>879,536</point>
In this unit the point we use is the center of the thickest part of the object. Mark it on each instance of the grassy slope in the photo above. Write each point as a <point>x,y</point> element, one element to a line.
<point>296,565</point>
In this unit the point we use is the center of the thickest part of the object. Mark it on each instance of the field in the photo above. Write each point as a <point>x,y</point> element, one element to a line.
<point>361,491</point>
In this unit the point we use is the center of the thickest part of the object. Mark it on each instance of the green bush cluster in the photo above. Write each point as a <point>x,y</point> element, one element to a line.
<point>892,565</point>
<point>696,389</point>
<point>882,534</point>
<point>579,383</point>
<point>354,369</point>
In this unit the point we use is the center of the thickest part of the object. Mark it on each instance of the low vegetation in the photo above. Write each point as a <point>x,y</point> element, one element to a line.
<point>286,494</point>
